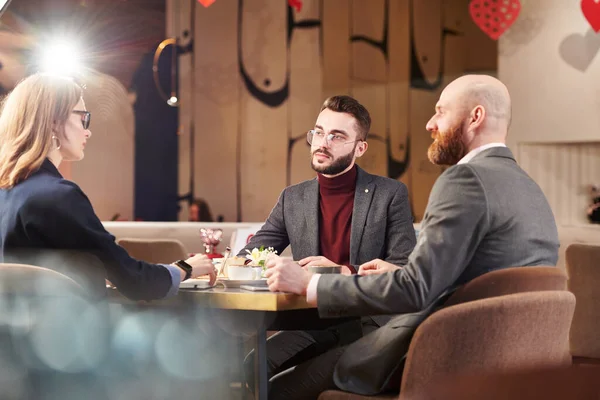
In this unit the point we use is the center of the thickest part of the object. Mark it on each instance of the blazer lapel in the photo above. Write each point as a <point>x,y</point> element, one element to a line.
<point>311,214</point>
<point>362,202</point>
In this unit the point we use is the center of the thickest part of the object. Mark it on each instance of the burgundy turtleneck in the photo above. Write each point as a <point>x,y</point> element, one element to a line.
<point>336,201</point>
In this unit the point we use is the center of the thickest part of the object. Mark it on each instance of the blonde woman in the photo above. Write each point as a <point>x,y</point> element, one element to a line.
<point>43,123</point>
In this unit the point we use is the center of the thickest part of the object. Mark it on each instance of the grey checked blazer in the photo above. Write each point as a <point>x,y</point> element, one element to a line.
<point>382,223</point>
<point>481,216</point>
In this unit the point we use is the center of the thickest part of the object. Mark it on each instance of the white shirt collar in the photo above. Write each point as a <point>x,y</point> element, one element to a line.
<point>478,150</point>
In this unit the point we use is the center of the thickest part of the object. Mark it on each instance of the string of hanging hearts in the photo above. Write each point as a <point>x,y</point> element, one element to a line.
<point>296,4</point>
<point>493,17</point>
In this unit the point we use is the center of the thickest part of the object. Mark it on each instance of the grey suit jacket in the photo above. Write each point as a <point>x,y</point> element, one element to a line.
<point>481,216</point>
<point>382,223</point>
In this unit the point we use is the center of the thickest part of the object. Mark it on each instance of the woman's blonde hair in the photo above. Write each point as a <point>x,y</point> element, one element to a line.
<point>36,106</point>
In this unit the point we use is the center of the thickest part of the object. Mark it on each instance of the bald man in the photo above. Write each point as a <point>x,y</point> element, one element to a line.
<point>484,213</point>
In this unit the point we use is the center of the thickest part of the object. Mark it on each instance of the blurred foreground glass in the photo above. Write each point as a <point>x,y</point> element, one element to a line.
<point>3,6</point>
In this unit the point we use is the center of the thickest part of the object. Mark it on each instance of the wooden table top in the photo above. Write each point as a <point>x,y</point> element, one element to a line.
<point>227,299</point>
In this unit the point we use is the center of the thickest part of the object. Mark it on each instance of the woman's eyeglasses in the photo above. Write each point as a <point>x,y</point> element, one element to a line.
<point>86,116</point>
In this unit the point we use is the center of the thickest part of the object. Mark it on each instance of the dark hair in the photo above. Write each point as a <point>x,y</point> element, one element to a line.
<point>349,105</point>
<point>204,214</point>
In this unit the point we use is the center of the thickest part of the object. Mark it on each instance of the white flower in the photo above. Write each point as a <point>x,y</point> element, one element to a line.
<point>258,256</point>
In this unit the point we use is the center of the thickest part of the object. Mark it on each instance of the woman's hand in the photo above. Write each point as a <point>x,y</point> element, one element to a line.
<point>202,265</point>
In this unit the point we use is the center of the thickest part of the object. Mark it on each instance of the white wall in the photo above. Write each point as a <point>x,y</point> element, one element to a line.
<point>548,59</point>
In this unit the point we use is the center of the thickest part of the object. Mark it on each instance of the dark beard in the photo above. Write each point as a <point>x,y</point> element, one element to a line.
<point>447,148</point>
<point>336,167</point>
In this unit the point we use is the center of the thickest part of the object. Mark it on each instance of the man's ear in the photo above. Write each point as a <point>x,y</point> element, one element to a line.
<point>361,149</point>
<point>477,117</point>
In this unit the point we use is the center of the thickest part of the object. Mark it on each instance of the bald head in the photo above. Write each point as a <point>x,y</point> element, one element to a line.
<point>487,92</point>
<point>473,111</point>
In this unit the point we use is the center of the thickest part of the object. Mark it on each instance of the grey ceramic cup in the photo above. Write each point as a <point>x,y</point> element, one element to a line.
<point>318,269</point>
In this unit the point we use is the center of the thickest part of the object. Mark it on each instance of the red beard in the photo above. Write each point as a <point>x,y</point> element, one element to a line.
<point>447,148</point>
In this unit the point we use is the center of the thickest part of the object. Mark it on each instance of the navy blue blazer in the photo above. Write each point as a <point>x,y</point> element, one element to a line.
<point>46,212</point>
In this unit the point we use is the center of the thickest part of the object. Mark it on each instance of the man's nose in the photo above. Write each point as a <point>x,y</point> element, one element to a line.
<point>431,126</point>
<point>324,144</point>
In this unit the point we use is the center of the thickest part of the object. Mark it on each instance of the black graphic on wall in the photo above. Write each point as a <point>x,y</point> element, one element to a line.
<point>417,77</point>
<point>274,97</point>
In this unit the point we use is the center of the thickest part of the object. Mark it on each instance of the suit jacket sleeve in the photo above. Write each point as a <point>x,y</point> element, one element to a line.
<point>455,222</point>
<point>401,239</point>
<point>273,233</point>
<point>68,221</point>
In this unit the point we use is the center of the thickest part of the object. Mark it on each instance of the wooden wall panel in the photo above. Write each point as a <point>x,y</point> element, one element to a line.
<point>455,14</point>
<point>427,37</point>
<point>216,107</point>
<point>368,22</point>
<point>481,52</point>
<point>306,96</point>
<point>454,58</point>
<point>427,47</point>
<point>424,173</point>
<point>256,113</point>
<point>262,132</point>
<point>373,96</point>
<point>375,159</point>
<point>398,112</point>
<point>336,47</point>
<point>369,76</point>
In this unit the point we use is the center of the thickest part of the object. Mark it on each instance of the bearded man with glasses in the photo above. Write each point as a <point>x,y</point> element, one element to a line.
<point>345,216</point>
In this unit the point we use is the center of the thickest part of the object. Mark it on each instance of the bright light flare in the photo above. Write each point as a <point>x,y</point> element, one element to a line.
<point>61,57</point>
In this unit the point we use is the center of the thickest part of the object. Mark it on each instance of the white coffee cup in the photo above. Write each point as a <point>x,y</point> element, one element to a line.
<point>243,273</point>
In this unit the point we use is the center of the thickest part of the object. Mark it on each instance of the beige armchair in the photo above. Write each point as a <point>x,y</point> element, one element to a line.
<point>156,251</point>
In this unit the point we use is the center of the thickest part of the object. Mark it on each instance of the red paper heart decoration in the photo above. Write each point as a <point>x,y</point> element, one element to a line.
<point>591,11</point>
<point>297,4</point>
<point>494,17</point>
<point>206,3</point>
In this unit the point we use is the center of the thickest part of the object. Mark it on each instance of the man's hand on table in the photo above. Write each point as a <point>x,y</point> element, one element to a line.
<point>321,261</point>
<point>285,275</point>
<point>376,267</point>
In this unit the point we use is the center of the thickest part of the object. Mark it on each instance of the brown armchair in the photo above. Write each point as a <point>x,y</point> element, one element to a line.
<point>583,268</point>
<point>509,281</point>
<point>541,384</point>
<point>517,331</point>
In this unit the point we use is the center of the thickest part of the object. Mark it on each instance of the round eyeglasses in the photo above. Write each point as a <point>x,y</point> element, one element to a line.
<point>332,140</point>
<point>86,116</point>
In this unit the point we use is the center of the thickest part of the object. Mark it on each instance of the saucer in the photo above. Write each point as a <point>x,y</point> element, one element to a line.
<point>235,283</point>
